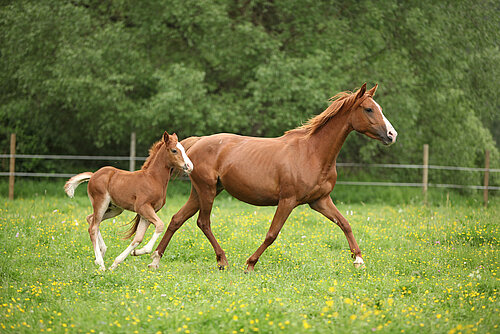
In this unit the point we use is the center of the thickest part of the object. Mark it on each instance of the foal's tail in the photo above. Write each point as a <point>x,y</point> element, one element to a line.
<point>72,183</point>
<point>131,231</point>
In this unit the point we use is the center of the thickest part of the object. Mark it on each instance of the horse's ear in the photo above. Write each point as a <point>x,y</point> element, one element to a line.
<point>174,137</point>
<point>166,137</point>
<point>372,91</point>
<point>361,91</point>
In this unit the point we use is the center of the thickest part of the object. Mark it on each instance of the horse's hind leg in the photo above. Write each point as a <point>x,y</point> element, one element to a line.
<point>139,236</point>
<point>326,207</point>
<point>186,212</point>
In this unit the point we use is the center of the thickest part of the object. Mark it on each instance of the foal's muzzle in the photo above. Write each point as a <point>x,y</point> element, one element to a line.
<point>188,168</point>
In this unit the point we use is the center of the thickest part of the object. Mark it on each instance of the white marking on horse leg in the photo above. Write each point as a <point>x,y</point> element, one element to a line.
<point>187,162</point>
<point>358,262</point>
<point>149,246</point>
<point>156,260</point>
<point>120,258</point>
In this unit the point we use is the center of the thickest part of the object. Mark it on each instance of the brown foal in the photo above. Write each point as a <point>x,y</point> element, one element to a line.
<point>297,168</point>
<point>112,190</point>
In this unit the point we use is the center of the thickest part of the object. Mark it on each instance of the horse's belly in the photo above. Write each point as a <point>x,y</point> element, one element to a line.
<point>255,193</point>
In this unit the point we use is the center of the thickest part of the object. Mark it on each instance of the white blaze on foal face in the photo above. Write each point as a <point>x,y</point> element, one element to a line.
<point>188,165</point>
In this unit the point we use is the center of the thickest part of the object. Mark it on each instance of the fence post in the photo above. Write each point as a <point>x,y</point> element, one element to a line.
<point>12,165</point>
<point>132,152</point>
<point>425,176</point>
<point>486,177</point>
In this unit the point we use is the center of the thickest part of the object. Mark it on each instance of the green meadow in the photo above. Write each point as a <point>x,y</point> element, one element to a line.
<point>433,269</point>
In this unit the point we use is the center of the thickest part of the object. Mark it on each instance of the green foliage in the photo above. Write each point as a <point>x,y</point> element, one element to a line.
<point>76,77</point>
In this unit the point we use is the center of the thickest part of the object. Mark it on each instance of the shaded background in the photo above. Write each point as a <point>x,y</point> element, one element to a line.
<point>77,77</point>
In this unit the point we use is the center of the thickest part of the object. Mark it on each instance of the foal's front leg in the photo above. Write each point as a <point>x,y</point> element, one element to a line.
<point>139,236</point>
<point>149,213</point>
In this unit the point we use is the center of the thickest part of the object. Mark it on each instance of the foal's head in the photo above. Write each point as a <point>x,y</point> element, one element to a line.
<point>366,117</point>
<point>174,154</point>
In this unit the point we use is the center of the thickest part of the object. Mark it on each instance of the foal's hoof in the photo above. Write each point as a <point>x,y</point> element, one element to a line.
<point>221,268</point>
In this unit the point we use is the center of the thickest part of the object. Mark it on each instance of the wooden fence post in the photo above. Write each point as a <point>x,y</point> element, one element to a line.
<point>425,176</point>
<point>12,165</point>
<point>486,177</point>
<point>132,152</point>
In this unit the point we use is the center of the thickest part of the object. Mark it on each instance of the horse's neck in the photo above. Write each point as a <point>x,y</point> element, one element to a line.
<point>328,140</point>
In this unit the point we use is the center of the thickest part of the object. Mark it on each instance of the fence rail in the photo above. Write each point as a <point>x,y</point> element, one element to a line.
<point>132,158</point>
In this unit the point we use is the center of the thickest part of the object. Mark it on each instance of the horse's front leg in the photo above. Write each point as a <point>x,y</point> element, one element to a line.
<point>285,207</point>
<point>326,207</point>
<point>139,236</point>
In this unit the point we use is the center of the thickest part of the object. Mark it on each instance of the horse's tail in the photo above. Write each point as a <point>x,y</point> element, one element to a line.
<point>73,182</point>
<point>186,143</point>
<point>131,231</point>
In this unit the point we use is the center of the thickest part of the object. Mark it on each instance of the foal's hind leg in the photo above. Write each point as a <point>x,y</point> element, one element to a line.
<point>326,207</point>
<point>111,212</point>
<point>100,206</point>
<point>186,212</point>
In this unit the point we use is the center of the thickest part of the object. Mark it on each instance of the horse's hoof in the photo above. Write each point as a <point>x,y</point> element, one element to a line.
<point>153,266</point>
<point>221,268</point>
<point>359,263</point>
<point>359,266</point>
<point>103,268</point>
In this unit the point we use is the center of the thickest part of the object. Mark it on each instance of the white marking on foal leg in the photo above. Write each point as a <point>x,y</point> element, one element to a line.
<point>102,245</point>
<point>120,258</point>
<point>98,256</point>
<point>359,263</point>
<point>149,246</point>
<point>188,162</point>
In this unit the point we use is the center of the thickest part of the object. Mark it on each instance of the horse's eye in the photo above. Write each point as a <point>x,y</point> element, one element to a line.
<point>174,151</point>
<point>368,109</point>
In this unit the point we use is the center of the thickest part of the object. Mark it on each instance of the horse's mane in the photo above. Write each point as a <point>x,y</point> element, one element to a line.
<point>152,153</point>
<point>339,101</point>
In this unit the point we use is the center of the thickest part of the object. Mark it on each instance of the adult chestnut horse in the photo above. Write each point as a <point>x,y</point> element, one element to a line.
<point>112,190</point>
<point>297,168</point>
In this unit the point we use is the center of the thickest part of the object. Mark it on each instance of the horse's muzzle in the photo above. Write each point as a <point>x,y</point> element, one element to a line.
<point>390,137</point>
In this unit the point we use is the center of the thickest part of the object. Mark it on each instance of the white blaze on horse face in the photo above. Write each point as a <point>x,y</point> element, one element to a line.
<point>391,132</point>
<point>188,165</point>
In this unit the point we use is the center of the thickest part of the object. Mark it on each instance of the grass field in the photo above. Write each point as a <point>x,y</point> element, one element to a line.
<point>430,269</point>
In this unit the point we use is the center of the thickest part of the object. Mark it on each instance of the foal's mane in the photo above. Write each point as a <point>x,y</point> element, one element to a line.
<point>153,150</point>
<point>342,100</point>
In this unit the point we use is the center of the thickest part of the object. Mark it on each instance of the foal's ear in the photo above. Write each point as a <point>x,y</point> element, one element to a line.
<point>361,91</point>
<point>372,91</point>
<point>166,137</point>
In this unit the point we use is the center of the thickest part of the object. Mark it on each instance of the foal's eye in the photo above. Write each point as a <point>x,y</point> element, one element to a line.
<point>368,109</point>
<point>174,151</point>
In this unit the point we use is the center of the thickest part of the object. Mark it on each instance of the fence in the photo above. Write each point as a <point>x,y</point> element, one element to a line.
<point>132,159</point>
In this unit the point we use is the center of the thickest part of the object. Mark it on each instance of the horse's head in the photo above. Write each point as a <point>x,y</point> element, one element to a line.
<point>367,117</point>
<point>176,154</point>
